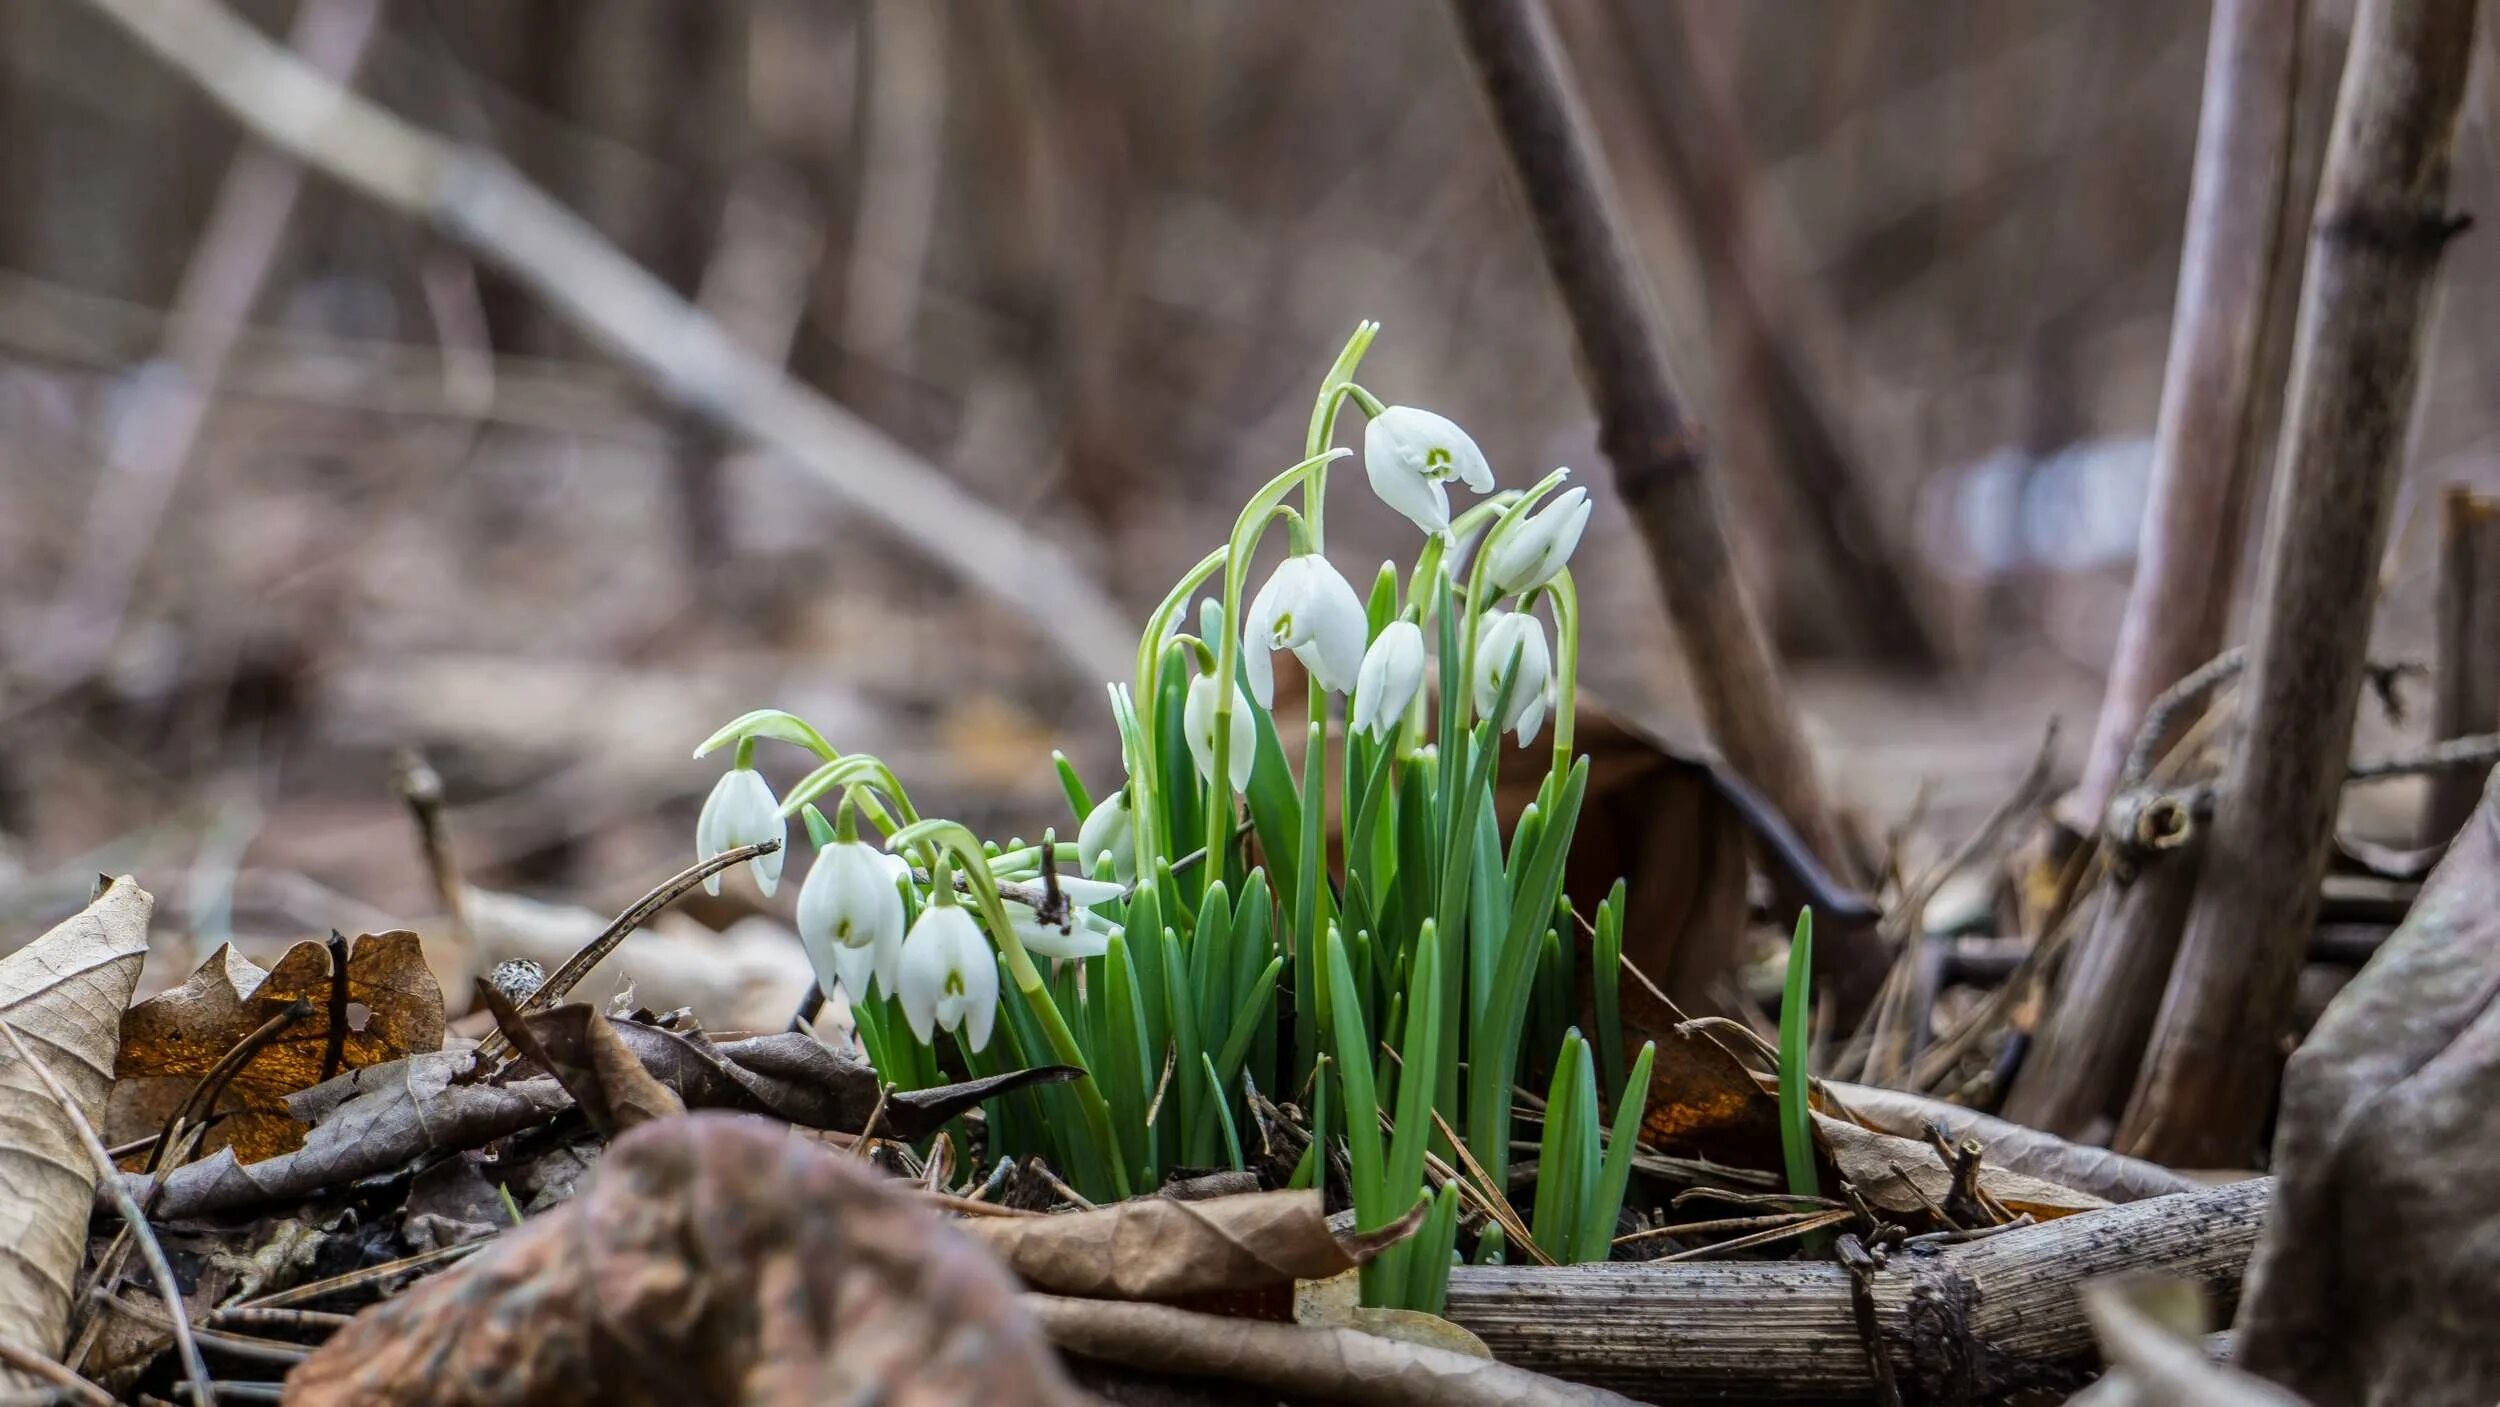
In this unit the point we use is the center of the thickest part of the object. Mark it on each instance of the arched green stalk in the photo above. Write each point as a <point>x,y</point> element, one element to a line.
<point>972,862</point>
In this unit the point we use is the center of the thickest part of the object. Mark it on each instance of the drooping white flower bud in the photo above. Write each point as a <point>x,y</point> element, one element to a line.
<point>1109,829</point>
<point>1539,545</point>
<point>1408,454</point>
<point>741,810</point>
<point>1305,607</point>
<point>1198,725</point>
<point>1393,670</point>
<point>1503,634</point>
<point>949,980</point>
<point>851,918</point>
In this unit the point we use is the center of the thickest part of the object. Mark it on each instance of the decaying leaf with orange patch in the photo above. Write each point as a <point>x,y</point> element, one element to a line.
<point>393,1009</point>
<point>1702,1099</point>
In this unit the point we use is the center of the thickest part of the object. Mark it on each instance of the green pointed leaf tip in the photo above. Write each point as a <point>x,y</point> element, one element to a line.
<point>1796,1019</point>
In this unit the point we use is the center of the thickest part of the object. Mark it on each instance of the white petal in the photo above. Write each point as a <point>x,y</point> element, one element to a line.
<point>1392,670</point>
<point>980,1000</point>
<point>1198,723</point>
<point>886,961</point>
<point>1080,940</point>
<point>1086,893</point>
<point>927,958</point>
<point>1109,829</point>
<point>1241,748</point>
<point>1532,718</point>
<point>1424,502</point>
<point>1258,661</point>
<point>854,968</point>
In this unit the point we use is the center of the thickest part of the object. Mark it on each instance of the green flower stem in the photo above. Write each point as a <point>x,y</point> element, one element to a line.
<point>953,837</point>
<point>744,758</point>
<point>1255,516</point>
<point>1566,599</point>
<point>868,779</point>
<point>1333,390</point>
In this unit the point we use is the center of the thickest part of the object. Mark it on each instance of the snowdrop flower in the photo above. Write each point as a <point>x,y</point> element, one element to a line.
<point>1502,634</point>
<point>851,918</point>
<point>949,980</point>
<point>1109,829</point>
<point>741,811</point>
<point>1087,934</point>
<point>1198,724</point>
<point>1393,670</point>
<point>1408,454</point>
<point>1538,545</point>
<point>1306,607</point>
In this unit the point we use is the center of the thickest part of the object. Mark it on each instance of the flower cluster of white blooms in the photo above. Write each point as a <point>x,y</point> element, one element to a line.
<point>852,909</point>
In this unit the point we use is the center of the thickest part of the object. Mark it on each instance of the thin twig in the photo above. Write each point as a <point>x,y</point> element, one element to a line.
<point>1491,1196</point>
<point>1712,1228</point>
<point>192,1366</point>
<point>422,788</point>
<point>357,1279</point>
<point>640,912</point>
<point>26,1359</point>
<point>334,1048</point>
<point>320,1321</point>
<point>1761,1238</point>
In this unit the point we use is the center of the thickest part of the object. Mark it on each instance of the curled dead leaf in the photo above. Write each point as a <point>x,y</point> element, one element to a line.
<point>392,1008</point>
<point>64,992</point>
<point>715,1259</point>
<point>1157,1248</point>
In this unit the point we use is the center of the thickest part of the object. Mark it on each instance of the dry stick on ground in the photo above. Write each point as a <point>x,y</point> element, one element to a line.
<point>2219,378</point>
<point>228,267</point>
<point>2208,1077</point>
<point>192,1366</point>
<point>1982,1318</point>
<point>2466,682</point>
<point>471,196</point>
<point>1660,465</point>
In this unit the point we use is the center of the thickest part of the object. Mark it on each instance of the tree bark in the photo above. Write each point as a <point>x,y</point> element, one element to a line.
<point>1968,1324</point>
<point>2210,1072</point>
<point>2467,700</point>
<point>2208,438</point>
<point>1660,465</point>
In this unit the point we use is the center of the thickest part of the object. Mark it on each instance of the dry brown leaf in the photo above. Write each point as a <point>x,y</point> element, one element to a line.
<point>172,1039</point>
<point>1297,1363</point>
<point>2155,1360</point>
<point>593,1064</point>
<point>2374,1277</point>
<point>1701,1098</point>
<point>715,1258</point>
<point>1906,1177</point>
<point>1337,1303</point>
<point>64,993</point>
<point>1157,1248</point>
<point>2016,1147</point>
<point>364,1122</point>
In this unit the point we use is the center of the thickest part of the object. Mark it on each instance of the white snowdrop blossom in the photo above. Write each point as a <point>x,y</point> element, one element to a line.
<point>1502,634</point>
<point>741,810</point>
<point>1306,607</point>
<point>1198,725</point>
<point>1087,935</point>
<point>1539,545</point>
<point>1109,829</point>
<point>949,980</point>
<point>1409,454</point>
<point>851,918</point>
<point>1393,670</point>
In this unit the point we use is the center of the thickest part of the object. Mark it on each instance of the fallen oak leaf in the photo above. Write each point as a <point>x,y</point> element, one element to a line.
<point>1159,1248</point>
<point>393,1008</point>
<point>716,1258</point>
<point>65,992</point>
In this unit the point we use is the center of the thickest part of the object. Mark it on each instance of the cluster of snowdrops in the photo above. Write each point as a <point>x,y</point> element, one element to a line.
<point>1388,979</point>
